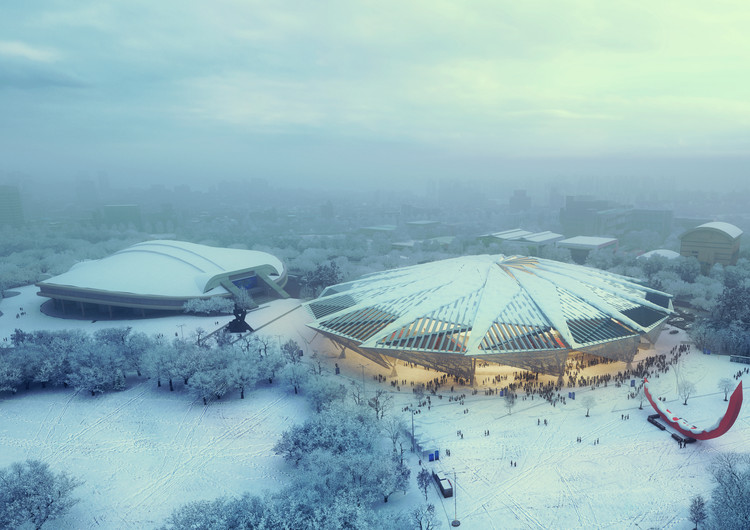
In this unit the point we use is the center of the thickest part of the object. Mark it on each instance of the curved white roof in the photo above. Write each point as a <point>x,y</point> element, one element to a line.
<point>728,228</point>
<point>163,268</point>
<point>482,305</point>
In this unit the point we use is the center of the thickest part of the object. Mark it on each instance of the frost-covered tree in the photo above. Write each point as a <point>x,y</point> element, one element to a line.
<point>270,364</point>
<point>243,370</point>
<point>136,346</point>
<point>10,373</point>
<point>209,306</point>
<point>321,391</point>
<point>32,494</point>
<point>313,282</point>
<point>162,362</point>
<point>190,359</point>
<point>588,402</point>
<point>390,474</point>
<point>685,388</point>
<point>725,385</point>
<point>96,368</point>
<point>510,401</point>
<point>296,375</point>
<point>337,429</point>
<point>424,479</point>
<point>211,383</point>
<point>214,379</point>
<point>290,350</point>
<point>730,499</point>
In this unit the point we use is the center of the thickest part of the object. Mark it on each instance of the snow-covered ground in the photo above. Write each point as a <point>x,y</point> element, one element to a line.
<point>144,451</point>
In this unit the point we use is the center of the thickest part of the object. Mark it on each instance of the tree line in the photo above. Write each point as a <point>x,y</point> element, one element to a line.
<point>103,361</point>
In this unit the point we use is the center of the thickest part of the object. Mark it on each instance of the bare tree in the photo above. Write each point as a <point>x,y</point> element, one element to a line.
<point>698,511</point>
<point>358,396</point>
<point>381,402</point>
<point>316,366</point>
<point>639,394</point>
<point>725,385</point>
<point>394,428</point>
<point>423,517</point>
<point>510,401</point>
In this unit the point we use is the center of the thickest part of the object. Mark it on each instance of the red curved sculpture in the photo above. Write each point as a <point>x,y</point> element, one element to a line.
<point>722,425</point>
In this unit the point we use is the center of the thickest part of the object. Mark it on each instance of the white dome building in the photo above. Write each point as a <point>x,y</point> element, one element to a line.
<point>161,276</point>
<point>518,311</point>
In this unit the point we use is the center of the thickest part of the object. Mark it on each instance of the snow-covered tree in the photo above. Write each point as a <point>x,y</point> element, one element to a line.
<point>390,474</point>
<point>685,388</point>
<point>730,499</point>
<point>10,374</point>
<point>725,385</point>
<point>321,391</point>
<point>588,403</point>
<point>290,350</point>
<point>243,370</point>
<point>337,429</point>
<point>31,493</point>
<point>510,401</point>
<point>424,479</point>
<point>296,375</point>
<point>162,362</point>
<point>136,346</point>
<point>270,364</point>
<point>96,368</point>
<point>190,359</point>
<point>211,383</point>
<point>209,306</point>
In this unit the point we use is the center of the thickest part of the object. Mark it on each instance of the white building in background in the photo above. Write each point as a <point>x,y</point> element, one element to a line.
<point>156,276</point>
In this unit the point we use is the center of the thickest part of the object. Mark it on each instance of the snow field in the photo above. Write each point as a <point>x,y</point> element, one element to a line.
<point>145,451</point>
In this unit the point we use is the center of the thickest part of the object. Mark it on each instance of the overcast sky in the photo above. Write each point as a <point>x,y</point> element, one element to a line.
<point>356,90</point>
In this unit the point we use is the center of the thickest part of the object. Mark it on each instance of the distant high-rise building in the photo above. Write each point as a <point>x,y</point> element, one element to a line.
<point>11,212</point>
<point>519,202</point>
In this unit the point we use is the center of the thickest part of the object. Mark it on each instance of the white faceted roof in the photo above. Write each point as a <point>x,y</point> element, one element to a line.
<point>477,305</point>
<point>163,268</point>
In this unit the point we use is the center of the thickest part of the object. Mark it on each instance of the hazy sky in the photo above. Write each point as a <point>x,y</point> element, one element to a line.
<point>355,90</point>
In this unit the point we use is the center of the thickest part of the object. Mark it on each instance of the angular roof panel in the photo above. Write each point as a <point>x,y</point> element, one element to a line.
<point>478,305</point>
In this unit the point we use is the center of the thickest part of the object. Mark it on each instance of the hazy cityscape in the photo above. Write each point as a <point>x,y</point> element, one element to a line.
<point>374,265</point>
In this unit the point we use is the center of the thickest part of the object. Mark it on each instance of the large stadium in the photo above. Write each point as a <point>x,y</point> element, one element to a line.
<point>517,311</point>
<point>157,276</point>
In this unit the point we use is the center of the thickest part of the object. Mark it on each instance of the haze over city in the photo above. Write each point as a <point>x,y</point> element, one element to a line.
<point>357,264</point>
<point>371,94</point>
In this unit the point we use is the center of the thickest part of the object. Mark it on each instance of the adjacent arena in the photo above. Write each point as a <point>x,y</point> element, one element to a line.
<point>517,311</point>
<point>157,276</point>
